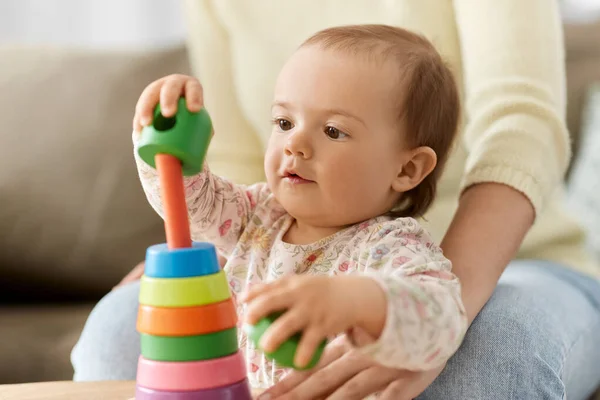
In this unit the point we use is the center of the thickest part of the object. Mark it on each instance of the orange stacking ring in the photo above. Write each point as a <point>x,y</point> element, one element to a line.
<point>186,321</point>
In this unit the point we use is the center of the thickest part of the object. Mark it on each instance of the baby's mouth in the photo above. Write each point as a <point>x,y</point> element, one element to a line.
<point>295,179</point>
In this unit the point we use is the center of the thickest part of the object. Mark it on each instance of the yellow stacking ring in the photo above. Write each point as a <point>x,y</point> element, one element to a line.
<point>184,292</point>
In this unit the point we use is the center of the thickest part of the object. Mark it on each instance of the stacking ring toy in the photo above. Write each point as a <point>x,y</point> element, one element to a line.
<point>183,292</point>
<point>239,390</point>
<point>284,355</point>
<point>200,259</point>
<point>192,375</point>
<point>183,321</point>
<point>189,348</point>
<point>185,136</point>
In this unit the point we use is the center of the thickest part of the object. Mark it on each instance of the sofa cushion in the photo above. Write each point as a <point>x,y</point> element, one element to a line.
<point>73,217</point>
<point>37,341</point>
<point>583,68</point>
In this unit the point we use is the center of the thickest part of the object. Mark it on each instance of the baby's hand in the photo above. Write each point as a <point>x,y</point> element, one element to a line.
<point>319,306</point>
<point>167,91</point>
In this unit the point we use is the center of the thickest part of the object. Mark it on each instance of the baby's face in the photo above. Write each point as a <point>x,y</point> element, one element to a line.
<point>336,144</point>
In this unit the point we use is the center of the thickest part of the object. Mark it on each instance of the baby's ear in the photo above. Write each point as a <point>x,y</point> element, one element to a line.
<point>418,163</point>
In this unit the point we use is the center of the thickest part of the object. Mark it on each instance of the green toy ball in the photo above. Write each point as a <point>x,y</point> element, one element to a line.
<point>284,355</point>
<point>185,136</point>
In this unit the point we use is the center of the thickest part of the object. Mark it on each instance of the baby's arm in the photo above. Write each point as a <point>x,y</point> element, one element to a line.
<point>425,320</point>
<point>218,209</point>
<point>396,286</point>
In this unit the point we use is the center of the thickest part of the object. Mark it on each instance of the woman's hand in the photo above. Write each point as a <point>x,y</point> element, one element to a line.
<point>167,91</point>
<point>344,374</point>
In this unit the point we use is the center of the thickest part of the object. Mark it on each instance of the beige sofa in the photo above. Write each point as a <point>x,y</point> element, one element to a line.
<point>73,219</point>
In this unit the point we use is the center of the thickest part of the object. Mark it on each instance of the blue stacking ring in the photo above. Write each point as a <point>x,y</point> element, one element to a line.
<point>200,259</point>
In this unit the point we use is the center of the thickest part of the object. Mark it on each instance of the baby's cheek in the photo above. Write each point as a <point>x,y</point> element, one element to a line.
<point>349,190</point>
<point>273,153</point>
<point>271,166</point>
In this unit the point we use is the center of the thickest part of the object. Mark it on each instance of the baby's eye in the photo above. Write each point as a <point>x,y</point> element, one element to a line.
<point>284,124</point>
<point>334,133</point>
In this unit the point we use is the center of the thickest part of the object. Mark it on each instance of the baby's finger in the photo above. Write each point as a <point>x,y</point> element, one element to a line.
<point>148,100</point>
<point>170,93</point>
<point>137,127</point>
<point>310,340</point>
<point>194,95</point>
<point>254,291</point>
<point>261,306</point>
<point>282,329</point>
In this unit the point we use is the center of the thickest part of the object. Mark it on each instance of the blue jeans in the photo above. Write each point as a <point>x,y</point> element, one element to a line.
<point>538,337</point>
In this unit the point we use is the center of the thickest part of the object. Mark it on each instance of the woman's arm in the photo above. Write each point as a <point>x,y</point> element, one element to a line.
<point>485,234</point>
<point>515,133</point>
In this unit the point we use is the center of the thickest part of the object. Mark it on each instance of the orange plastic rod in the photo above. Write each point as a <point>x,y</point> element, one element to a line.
<point>177,226</point>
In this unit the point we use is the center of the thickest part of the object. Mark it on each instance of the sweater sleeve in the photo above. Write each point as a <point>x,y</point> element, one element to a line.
<point>425,317</point>
<point>218,209</point>
<point>514,77</point>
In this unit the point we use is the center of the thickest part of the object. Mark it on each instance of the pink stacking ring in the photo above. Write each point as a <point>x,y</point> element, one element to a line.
<point>237,391</point>
<point>191,375</point>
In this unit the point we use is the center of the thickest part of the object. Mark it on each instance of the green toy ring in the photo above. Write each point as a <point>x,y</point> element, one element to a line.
<point>186,136</point>
<point>284,355</point>
<point>189,348</point>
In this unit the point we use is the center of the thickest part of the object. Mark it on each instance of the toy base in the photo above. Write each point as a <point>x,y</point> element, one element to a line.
<point>237,391</point>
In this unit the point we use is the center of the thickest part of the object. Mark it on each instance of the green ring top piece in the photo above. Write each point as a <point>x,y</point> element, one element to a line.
<point>185,136</point>
<point>284,355</point>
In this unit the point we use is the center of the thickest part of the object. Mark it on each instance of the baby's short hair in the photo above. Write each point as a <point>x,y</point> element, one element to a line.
<point>428,101</point>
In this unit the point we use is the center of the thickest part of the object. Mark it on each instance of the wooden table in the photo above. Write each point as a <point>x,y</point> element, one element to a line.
<point>67,390</point>
<point>109,390</point>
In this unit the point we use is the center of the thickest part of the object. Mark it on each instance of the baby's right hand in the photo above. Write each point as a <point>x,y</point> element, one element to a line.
<point>167,91</point>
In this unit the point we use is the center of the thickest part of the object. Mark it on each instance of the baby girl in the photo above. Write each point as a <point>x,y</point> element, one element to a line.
<point>363,120</point>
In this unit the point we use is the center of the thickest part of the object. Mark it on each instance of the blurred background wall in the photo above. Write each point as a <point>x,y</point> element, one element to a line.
<point>92,23</point>
<point>125,23</point>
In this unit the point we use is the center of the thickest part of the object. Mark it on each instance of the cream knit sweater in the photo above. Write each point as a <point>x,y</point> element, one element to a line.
<point>508,59</point>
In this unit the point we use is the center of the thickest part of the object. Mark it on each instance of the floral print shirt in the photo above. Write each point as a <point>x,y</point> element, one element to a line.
<point>426,320</point>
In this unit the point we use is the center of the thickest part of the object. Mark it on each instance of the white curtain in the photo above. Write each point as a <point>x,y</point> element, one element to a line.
<point>135,23</point>
<point>92,23</point>
<point>580,11</point>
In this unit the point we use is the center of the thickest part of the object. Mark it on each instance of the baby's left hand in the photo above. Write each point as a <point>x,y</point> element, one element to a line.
<point>319,306</point>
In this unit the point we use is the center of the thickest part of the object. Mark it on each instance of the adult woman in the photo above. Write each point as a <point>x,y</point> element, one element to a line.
<point>533,323</point>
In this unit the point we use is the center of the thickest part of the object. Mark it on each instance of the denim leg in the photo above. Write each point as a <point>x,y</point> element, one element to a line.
<point>109,346</point>
<point>538,337</point>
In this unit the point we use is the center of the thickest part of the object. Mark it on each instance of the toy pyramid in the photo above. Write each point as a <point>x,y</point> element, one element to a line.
<point>186,319</point>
